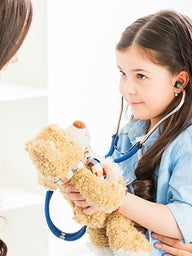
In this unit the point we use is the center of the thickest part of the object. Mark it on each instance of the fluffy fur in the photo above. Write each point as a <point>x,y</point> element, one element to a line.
<point>55,152</point>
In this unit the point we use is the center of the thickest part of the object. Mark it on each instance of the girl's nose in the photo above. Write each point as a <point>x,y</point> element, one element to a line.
<point>127,87</point>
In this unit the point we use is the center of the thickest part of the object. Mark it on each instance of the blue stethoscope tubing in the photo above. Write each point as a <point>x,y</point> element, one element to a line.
<point>76,235</point>
<point>133,150</point>
<point>57,232</point>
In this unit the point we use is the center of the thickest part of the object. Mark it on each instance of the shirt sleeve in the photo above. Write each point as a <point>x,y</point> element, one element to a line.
<point>180,188</point>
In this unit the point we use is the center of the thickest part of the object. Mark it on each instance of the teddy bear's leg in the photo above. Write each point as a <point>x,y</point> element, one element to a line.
<point>99,242</point>
<point>95,220</point>
<point>98,237</point>
<point>124,238</point>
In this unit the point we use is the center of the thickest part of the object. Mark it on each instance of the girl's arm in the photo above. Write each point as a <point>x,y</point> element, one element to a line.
<point>153,216</point>
<point>170,245</point>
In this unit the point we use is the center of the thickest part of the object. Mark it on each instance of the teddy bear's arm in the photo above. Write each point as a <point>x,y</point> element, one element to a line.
<point>102,194</point>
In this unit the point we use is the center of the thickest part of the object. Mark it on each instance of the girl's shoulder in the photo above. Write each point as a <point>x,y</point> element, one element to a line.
<point>186,135</point>
<point>182,143</point>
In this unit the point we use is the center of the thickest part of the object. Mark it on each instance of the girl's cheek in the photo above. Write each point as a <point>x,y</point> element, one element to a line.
<point>122,89</point>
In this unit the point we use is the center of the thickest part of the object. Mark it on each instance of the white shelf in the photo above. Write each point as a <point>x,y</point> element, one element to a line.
<point>28,225</point>
<point>14,198</point>
<point>13,92</point>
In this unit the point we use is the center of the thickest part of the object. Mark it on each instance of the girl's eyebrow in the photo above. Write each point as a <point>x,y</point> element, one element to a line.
<point>140,70</point>
<point>135,70</point>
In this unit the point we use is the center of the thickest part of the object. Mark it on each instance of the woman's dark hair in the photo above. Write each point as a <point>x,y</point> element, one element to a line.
<point>166,39</point>
<point>15,20</point>
<point>3,248</point>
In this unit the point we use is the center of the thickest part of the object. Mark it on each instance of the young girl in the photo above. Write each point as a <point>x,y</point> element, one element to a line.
<point>15,20</point>
<point>154,57</point>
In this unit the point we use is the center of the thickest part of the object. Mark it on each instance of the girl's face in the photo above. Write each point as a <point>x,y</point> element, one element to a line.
<point>148,88</point>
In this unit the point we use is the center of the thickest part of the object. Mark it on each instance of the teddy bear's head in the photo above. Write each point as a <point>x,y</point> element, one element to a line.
<point>55,152</point>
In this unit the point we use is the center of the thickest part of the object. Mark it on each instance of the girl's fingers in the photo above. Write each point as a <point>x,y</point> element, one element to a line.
<point>71,188</point>
<point>171,250</point>
<point>81,203</point>
<point>89,210</point>
<point>109,174</point>
<point>75,196</point>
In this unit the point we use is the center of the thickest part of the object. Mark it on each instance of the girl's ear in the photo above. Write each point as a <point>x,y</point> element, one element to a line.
<point>183,78</point>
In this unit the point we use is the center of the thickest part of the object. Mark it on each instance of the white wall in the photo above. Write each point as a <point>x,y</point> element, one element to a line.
<point>82,70</point>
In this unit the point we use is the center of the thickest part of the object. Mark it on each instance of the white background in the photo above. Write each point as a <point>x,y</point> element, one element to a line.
<point>83,78</point>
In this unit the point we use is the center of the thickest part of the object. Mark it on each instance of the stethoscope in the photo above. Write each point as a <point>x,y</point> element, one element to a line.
<point>138,145</point>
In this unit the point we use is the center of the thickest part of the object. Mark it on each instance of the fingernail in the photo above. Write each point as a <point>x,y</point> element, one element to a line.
<point>154,235</point>
<point>157,245</point>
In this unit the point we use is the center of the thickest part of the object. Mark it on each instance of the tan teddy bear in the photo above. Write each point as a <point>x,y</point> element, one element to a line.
<point>58,155</point>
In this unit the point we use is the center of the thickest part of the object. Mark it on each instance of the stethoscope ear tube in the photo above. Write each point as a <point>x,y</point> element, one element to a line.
<point>57,232</point>
<point>115,136</point>
<point>113,140</point>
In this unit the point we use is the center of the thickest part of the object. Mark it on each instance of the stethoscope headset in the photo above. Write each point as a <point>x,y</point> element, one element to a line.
<point>138,145</point>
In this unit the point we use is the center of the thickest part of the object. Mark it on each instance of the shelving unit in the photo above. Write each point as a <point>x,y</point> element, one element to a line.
<point>12,92</point>
<point>23,112</point>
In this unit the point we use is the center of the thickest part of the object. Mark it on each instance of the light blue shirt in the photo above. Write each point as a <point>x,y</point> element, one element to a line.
<point>173,177</point>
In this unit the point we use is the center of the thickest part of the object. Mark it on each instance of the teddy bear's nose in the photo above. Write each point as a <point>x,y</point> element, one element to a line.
<point>79,124</point>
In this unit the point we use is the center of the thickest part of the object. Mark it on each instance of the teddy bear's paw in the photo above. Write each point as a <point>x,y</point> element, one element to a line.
<point>123,253</point>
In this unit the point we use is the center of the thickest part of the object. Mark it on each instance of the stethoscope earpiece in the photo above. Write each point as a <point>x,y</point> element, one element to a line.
<point>177,84</point>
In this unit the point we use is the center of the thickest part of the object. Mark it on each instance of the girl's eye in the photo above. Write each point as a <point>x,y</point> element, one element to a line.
<point>122,73</point>
<point>141,76</point>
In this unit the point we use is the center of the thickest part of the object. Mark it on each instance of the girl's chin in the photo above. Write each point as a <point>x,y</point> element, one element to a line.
<point>140,117</point>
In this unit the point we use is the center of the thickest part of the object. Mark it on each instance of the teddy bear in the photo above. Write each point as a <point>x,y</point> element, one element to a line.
<point>64,157</point>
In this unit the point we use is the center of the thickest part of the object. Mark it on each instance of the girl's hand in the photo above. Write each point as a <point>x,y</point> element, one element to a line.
<point>172,246</point>
<point>73,194</point>
<point>109,174</point>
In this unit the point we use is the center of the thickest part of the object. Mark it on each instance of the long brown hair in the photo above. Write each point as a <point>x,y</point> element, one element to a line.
<point>166,39</point>
<point>15,20</point>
